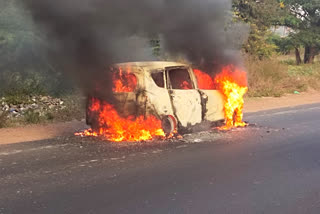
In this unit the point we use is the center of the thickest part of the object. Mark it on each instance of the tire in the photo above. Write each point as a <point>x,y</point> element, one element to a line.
<point>169,124</point>
<point>88,113</point>
<point>92,119</point>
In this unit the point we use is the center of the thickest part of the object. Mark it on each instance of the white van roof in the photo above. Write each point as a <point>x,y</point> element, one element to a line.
<point>151,65</point>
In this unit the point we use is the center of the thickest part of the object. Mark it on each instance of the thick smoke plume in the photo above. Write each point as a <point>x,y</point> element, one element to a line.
<point>87,36</point>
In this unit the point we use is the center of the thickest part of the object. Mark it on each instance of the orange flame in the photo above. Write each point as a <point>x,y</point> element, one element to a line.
<point>205,81</point>
<point>117,129</point>
<point>232,82</point>
<point>185,85</point>
<point>124,81</point>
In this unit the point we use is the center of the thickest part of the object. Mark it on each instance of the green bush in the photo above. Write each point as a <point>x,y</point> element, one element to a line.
<point>283,45</point>
<point>3,119</point>
<point>32,117</point>
<point>258,45</point>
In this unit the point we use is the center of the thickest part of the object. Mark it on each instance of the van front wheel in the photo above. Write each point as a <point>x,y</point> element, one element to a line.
<point>169,124</point>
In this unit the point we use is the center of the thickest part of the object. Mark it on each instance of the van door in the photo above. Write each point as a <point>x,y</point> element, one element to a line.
<point>214,110</point>
<point>212,100</point>
<point>186,100</point>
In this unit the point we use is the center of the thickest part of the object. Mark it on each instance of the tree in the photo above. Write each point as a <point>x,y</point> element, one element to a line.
<point>287,44</point>
<point>303,17</point>
<point>24,67</point>
<point>260,15</point>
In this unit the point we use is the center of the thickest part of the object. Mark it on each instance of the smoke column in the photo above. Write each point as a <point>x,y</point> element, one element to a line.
<point>87,36</point>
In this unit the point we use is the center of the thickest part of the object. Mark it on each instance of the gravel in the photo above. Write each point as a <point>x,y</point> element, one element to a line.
<point>37,104</point>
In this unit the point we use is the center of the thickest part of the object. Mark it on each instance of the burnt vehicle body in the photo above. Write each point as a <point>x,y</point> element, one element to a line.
<point>167,90</point>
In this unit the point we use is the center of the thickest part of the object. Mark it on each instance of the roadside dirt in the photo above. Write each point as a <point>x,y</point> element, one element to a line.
<point>39,132</point>
<point>42,132</point>
<point>290,100</point>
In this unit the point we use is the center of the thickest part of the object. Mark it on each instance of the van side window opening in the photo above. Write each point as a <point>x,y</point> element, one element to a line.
<point>180,79</point>
<point>124,81</point>
<point>158,79</point>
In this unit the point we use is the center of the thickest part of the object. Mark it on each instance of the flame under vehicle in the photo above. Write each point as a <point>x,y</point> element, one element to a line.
<point>168,91</point>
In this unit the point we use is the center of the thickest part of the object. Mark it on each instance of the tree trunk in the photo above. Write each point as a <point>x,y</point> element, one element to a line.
<point>309,54</point>
<point>298,57</point>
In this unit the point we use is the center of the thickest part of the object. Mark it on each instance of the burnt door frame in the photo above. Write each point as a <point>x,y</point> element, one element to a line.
<point>197,97</point>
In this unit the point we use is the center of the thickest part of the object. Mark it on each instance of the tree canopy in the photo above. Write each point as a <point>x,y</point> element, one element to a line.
<point>24,67</point>
<point>303,17</point>
<point>260,15</point>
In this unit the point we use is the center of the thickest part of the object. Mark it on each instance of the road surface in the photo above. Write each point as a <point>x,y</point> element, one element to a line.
<point>273,166</point>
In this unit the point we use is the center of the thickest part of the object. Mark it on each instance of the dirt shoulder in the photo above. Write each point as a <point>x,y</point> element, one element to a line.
<point>39,132</point>
<point>290,100</point>
<point>42,132</point>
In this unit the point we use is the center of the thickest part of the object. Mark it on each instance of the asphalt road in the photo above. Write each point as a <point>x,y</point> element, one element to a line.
<point>270,167</point>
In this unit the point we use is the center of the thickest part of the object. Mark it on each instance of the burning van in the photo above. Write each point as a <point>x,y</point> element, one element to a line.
<point>172,96</point>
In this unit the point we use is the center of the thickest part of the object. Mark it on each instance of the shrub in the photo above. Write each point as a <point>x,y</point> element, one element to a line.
<point>258,44</point>
<point>19,84</point>
<point>75,109</point>
<point>32,117</point>
<point>270,77</point>
<point>3,119</point>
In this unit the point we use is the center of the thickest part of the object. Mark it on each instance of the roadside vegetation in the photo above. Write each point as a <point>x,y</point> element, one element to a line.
<point>31,86</point>
<point>277,76</point>
<point>17,111</point>
<point>281,56</point>
<point>283,45</point>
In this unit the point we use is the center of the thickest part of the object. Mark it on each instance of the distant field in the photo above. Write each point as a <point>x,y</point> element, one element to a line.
<point>280,75</point>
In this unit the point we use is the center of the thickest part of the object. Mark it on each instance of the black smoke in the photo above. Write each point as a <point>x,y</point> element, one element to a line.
<point>87,36</point>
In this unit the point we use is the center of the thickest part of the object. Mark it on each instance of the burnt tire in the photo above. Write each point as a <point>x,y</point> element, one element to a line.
<point>169,124</point>
<point>92,118</point>
<point>88,112</point>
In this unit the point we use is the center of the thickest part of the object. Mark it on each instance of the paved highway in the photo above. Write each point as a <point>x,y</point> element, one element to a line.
<point>273,166</point>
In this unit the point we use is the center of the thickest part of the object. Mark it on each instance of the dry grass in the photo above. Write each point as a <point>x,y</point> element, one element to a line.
<point>75,109</point>
<point>275,78</point>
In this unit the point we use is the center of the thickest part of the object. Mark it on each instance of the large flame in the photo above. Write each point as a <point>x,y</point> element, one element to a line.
<point>232,83</point>
<point>117,129</point>
<point>124,81</point>
<point>112,126</point>
<point>205,81</point>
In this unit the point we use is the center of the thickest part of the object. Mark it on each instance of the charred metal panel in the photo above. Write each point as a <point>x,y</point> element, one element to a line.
<point>213,105</point>
<point>126,103</point>
<point>204,101</point>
